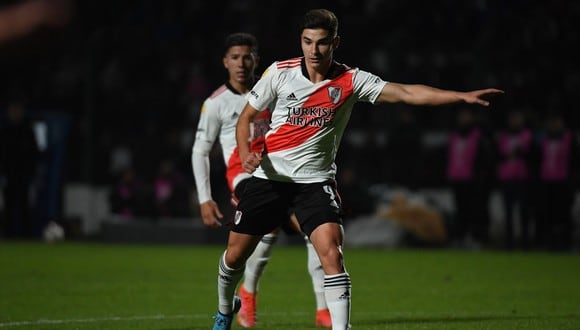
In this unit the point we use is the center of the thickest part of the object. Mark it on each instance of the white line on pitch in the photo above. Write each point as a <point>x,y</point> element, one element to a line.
<point>100,319</point>
<point>111,318</point>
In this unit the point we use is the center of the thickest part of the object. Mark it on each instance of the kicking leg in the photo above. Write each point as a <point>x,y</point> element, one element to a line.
<point>327,240</point>
<point>316,272</point>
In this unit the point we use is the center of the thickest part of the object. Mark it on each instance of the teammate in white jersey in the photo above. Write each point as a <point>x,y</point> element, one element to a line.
<point>314,96</point>
<point>218,119</point>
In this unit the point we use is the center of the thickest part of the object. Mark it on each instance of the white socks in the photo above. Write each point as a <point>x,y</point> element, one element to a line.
<point>257,262</point>
<point>331,291</point>
<point>337,292</point>
<point>228,279</point>
<point>317,275</point>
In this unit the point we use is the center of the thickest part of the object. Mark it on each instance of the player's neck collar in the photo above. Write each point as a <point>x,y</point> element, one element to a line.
<point>232,89</point>
<point>335,70</point>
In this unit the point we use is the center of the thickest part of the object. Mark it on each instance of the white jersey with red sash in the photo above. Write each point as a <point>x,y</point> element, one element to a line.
<point>309,119</point>
<point>219,116</point>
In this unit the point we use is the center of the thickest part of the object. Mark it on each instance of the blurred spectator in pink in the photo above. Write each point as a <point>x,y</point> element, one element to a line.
<point>469,171</point>
<point>557,159</point>
<point>170,191</point>
<point>130,197</point>
<point>514,144</point>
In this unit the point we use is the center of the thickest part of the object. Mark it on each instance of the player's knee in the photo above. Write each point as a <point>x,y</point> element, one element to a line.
<point>234,258</point>
<point>331,259</point>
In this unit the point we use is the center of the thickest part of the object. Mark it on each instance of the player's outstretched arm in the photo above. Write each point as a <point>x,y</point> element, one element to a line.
<point>431,96</point>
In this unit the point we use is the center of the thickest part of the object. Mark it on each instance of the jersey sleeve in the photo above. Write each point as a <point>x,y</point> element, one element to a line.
<point>207,130</point>
<point>263,94</point>
<point>367,86</point>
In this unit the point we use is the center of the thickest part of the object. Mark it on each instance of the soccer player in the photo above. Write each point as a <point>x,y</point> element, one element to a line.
<point>219,116</point>
<point>314,96</point>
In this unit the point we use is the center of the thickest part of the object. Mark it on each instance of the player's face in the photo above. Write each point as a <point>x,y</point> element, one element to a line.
<point>318,47</point>
<point>241,64</point>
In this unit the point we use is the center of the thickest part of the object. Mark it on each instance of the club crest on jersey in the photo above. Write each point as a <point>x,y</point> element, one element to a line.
<point>334,93</point>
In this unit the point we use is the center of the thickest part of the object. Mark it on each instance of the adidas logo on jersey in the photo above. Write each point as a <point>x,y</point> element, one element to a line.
<point>291,97</point>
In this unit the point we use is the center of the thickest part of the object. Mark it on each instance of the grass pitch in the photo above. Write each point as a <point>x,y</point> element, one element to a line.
<point>76,285</point>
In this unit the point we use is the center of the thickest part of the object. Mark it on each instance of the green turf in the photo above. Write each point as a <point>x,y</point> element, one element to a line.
<point>100,286</point>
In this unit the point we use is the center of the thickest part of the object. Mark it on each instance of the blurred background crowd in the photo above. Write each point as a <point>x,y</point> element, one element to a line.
<point>112,92</point>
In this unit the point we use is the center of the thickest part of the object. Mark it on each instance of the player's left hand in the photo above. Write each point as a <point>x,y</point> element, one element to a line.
<point>480,96</point>
<point>211,214</point>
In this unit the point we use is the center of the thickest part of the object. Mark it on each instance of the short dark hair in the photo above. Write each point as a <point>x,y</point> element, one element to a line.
<point>321,19</point>
<point>241,39</point>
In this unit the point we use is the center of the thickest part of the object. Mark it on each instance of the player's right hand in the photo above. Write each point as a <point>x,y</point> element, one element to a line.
<point>251,162</point>
<point>211,214</point>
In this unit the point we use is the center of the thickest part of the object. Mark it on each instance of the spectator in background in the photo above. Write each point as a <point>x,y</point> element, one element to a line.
<point>170,191</point>
<point>19,156</point>
<point>130,196</point>
<point>469,168</point>
<point>514,144</point>
<point>557,159</point>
